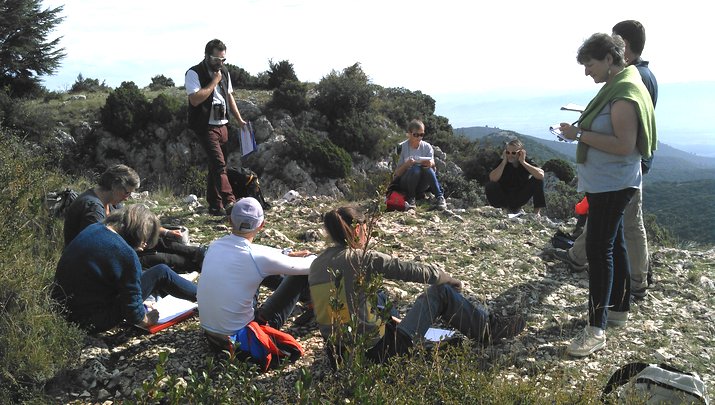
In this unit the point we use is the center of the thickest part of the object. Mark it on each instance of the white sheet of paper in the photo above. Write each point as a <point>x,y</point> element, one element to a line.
<point>573,107</point>
<point>170,307</point>
<point>435,334</point>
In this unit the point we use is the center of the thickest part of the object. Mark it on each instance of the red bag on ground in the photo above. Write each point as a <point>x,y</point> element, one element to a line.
<point>395,201</point>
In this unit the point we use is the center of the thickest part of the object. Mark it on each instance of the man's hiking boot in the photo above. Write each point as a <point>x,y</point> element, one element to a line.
<point>410,204</point>
<point>565,257</point>
<point>503,327</point>
<point>586,343</point>
<point>306,317</point>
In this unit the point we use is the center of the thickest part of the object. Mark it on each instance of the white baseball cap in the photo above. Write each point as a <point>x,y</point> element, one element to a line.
<point>247,214</point>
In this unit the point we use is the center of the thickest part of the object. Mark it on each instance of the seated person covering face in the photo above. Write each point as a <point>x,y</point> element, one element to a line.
<point>415,171</point>
<point>116,184</point>
<point>233,270</point>
<point>515,180</point>
<point>99,279</point>
<point>335,273</point>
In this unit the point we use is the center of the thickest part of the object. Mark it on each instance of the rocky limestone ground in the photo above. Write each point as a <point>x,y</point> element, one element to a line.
<point>501,261</point>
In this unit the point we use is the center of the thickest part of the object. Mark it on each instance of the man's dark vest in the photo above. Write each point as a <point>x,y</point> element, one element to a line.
<point>199,116</point>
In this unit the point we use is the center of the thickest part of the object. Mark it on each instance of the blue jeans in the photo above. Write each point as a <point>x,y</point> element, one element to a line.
<point>278,307</point>
<point>443,301</point>
<point>609,270</point>
<point>418,179</point>
<point>161,278</point>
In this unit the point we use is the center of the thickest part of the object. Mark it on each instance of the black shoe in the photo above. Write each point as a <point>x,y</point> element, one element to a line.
<point>504,328</point>
<point>306,317</point>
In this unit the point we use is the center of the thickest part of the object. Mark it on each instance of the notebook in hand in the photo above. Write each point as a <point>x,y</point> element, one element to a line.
<point>172,310</point>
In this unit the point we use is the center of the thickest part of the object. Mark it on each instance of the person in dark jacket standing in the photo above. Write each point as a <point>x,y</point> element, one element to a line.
<point>208,86</point>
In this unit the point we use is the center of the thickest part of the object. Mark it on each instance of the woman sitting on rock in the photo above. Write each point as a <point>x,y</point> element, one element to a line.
<point>343,271</point>
<point>99,279</point>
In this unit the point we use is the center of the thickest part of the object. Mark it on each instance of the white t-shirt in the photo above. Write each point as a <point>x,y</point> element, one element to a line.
<point>192,84</point>
<point>231,274</point>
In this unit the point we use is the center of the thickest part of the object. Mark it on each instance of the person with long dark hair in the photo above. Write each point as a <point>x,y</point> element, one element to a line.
<point>343,270</point>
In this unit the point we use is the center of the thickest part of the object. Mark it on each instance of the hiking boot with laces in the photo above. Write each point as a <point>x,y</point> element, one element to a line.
<point>586,343</point>
<point>565,257</point>
<point>410,204</point>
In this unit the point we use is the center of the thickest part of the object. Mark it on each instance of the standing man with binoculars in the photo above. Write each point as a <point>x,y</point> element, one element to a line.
<point>208,86</point>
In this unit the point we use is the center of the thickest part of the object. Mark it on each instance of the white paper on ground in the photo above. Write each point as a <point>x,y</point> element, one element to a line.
<point>435,334</point>
<point>170,307</point>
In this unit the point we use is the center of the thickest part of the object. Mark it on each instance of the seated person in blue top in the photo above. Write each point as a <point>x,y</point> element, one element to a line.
<point>99,279</point>
<point>115,185</point>
<point>515,180</point>
<point>234,269</point>
<point>416,168</point>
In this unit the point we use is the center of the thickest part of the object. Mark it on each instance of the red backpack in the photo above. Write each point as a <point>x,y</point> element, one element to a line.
<point>395,201</point>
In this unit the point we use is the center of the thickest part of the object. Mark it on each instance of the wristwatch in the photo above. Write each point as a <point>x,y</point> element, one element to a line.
<point>578,134</point>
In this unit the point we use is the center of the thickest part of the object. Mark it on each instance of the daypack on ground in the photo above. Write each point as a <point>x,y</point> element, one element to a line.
<point>657,384</point>
<point>244,183</point>
<point>395,201</point>
<point>59,202</point>
<point>260,344</point>
<point>562,240</point>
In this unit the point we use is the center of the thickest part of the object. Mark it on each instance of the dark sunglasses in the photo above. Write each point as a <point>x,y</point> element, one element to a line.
<point>217,58</point>
<point>512,153</point>
<point>418,135</point>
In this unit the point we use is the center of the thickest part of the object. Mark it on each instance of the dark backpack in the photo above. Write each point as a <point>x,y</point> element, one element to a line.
<point>562,240</point>
<point>244,183</point>
<point>59,202</point>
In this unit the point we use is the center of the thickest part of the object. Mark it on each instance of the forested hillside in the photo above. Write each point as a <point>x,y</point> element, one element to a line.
<point>686,208</point>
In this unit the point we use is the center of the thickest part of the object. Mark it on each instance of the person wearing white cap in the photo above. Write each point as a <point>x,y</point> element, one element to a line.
<point>233,270</point>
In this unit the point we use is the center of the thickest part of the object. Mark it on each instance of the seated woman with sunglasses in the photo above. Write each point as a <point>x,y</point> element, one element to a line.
<point>339,270</point>
<point>99,279</point>
<point>415,171</point>
<point>115,185</point>
<point>515,180</point>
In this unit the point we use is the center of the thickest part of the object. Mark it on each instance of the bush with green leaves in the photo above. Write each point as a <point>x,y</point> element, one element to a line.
<point>87,85</point>
<point>165,108</point>
<point>402,105</point>
<point>561,201</point>
<point>279,73</point>
<point>561,168</point>
<point>480,162</point>
<point>159,82</point>
<point>35,342</point>
<point>291,95</point>
<point>326,158</point>
<point>363,133</point>
<point>344,94</point>
<point>125,111</point>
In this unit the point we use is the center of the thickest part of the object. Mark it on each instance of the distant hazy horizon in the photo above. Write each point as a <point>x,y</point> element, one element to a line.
<point>682,113</point>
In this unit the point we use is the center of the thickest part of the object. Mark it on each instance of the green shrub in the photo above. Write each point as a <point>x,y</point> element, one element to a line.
<point>561,168</point>
<point>480,163</point>
<point>291,95</point>
<point>361,133</point>
<point>35,342</point>
<point>159,82</point>
<point>457,186</point>
<point>125,111</point>
<point>279,73</point>
<point>656,233</point>
<point>344,94</point>
<point>326,158</point>
<point>165,108</point>
<point>560,202</point>
<point>87,85</point>
<point>402,105</point>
